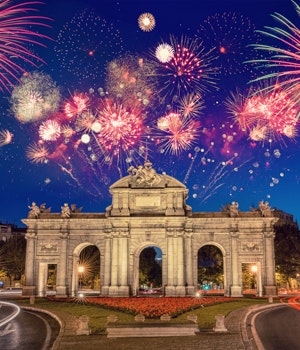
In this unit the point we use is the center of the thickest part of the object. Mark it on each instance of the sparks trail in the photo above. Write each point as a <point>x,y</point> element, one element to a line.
<point>186,178</point>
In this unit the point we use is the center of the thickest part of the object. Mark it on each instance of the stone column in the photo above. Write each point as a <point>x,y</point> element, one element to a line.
<point>188,254</point>
<point>235,290</point>
<point>169,289</point>
<point>270,286</point>
<point>115,261</point>
<point>123,265</point>
<point>107,265</point>
<point>180,288</point>
<point>61,287</point>
<point>30,283</point>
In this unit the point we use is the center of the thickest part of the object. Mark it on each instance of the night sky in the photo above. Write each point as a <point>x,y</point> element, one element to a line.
<point>98,52</point>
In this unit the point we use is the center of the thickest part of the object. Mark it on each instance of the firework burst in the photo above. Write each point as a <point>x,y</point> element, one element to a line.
<point>127,81</point>
<point>191,105</point>
<point>35,98</point>
<point>37,153</point>
<point>121,130</point>
<point>49,130</point>
<point>190,70</point>
<point>164,53</point>
<point>75,106</point>
<point>5,137</point>
<point>86,43</point>
<point>230,33</point>
<point>146,22</point>
<point>284,63</point>
<point>15,35</point>
<point>266,116</point>
<point>177,133</point>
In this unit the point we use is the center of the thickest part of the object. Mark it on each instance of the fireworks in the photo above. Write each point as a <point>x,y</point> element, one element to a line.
<point>164,53</point>
<point>146,22</point>
<point>189,70</point>
<point>15,24</point>
<point>86,44</point>
<point>230,33</point>
<point>178,133</point>
<point>127,81</point>
<point>75,106</point>
<point>49,130</point>
<point>285,59</point>
<point>190,105</point>
<point>35,98</point>
<point>267,116</point>
<point>121,129</point>
<point>5,137</point>
<point>37,153</point>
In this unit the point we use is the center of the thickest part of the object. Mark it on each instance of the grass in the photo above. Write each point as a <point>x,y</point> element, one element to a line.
<point>98,315</point>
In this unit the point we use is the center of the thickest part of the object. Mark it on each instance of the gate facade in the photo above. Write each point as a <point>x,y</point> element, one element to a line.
<point>148,209</point>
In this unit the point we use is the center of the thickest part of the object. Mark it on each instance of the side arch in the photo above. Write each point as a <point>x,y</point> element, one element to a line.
<point>225,261</point>
<point>76,264</point>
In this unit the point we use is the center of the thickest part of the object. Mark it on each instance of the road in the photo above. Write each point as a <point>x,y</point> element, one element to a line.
<point>278,328</point>
<point>28,331</point>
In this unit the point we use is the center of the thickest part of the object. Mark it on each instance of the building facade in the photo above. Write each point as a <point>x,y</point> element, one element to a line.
<point>148,209</point>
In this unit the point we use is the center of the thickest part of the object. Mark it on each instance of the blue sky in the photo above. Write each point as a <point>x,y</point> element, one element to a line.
<point>221,165</point>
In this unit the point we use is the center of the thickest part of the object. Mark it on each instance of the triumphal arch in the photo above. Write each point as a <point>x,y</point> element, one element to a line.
<point>148,209</point>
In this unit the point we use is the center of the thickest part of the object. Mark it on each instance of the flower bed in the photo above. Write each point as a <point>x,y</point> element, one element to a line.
<point>156,307</point>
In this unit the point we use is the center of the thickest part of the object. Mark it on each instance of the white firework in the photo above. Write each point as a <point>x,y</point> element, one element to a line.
<point>35,98</point>
<point>164,53</point>
<point>49,130</point>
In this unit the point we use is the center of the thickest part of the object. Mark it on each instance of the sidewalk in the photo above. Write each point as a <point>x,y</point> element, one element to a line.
<point>234,339</point>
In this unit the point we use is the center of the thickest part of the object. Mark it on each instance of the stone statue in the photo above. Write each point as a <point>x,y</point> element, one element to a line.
<point>65,211</point>
<point>144,174</point>
<point>264,208</point>
<point>234,209</point>
<point>34,211</point>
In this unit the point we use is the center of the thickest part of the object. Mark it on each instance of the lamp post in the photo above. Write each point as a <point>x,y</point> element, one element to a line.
<point>80,271</point>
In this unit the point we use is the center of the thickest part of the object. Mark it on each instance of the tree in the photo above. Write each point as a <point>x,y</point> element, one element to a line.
<point>287,251</point>
<point>12,257</point>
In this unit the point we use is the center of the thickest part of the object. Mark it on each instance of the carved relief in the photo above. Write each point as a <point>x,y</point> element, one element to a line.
<point>48,247</point>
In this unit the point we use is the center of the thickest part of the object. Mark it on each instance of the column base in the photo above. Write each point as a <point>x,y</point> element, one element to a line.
<point>170,291</point>
<point>270,290</point>
<point>105,291</point>
<point>190,290</point>
<point>115,291</point>
<point>236,291</point>
<point>175,291</point>
<point>28,290</point>
<point>61,292</point>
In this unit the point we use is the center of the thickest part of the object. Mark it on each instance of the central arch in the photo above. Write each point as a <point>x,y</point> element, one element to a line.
<point>208,255</point>
<point>136,265</point>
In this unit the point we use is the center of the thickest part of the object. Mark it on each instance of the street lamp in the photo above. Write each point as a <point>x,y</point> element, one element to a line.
<point>80,271</point>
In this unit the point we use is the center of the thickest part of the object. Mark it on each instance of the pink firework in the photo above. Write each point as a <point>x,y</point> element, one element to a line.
<point>121,130</point>
<point>76,106</point>
<point>15,34</point>
<point>49,130</point>
<point>190,69</point>
<point>178,133</point>
<point>267,115</point>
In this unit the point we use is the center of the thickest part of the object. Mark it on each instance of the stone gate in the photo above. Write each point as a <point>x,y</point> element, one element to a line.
<point>148,209</point>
